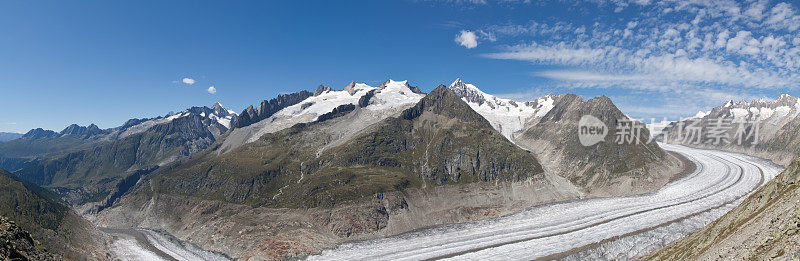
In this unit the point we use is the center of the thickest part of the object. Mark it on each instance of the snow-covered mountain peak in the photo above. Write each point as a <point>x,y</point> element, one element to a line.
<point>393,94</point>
<point>505,115</point>
<point>470,93</point>
<point>389,82</point>
<point>376,103</point>
<point>389,94</point>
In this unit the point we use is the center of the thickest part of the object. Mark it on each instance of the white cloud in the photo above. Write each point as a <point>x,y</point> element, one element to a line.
<point>188,81</point>
<point>559,54</point>
<point>467,39</point>
<point>212,90</point>
<point>726,44</point>
<point>756,10</point>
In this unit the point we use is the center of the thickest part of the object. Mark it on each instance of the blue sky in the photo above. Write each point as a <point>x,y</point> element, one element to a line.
<point>104,62</point>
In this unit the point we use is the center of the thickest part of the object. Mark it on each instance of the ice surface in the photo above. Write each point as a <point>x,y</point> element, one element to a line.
<point>128,245</point>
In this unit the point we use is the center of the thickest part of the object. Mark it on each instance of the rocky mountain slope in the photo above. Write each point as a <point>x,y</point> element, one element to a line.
<point>764,226</point>
<point>762,128</point>
<point>548,127</point>
<point>49,221</point>
<point>305,188</point>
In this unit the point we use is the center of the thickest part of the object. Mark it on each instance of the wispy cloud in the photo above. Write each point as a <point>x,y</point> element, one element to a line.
<point>212,90</point>
<point>668,46</point>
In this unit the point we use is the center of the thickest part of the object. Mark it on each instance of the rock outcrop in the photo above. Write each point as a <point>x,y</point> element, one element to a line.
<point>269,107</point>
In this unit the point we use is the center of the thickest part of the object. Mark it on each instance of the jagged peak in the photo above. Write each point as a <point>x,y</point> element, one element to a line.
<point>220,110</point>
<point>385,83</point>
<point>471,93</point>
<point>321,89</point>
<point>350,88</point>
<point>38,133</point>
<point>218,106</point>
<point>444,101</point>
<point>457,82</point>
<point>390,81</point>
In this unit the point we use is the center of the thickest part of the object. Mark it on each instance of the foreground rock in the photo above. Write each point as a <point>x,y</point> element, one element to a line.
<point>18,244</point>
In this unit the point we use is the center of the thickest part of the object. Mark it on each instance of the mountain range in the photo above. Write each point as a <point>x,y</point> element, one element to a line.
<point>85,164</point>
<point>307,171</point>
<point>364,162</point>
<point>762,128</point>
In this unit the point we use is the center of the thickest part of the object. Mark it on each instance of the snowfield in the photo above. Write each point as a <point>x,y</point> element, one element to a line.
<point>585,228</point>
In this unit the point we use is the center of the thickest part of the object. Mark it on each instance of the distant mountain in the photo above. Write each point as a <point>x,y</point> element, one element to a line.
<point>48,220</point>
<point>777,127</point>
<point>7,136</point>
<point>766,225</point>
<point>84,164</point>
<point>548,127</point>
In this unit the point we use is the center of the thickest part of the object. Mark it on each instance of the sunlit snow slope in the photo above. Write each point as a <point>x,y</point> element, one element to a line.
<point>720,179</point>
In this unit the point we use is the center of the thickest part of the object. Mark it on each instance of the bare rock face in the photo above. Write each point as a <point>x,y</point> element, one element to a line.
<point>603,169</point>
<point>461,89</point>
<point>270,107</point>
<point>350,88</point>
<point>320,89</point>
